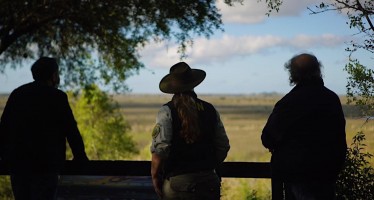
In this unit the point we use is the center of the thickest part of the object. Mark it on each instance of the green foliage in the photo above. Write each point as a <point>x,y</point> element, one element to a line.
<point>102,125</point>
<point>360,87</point>
<point>98,41</point>
<point>5,188</point>
<point>251,195</point>
<point>356,181</point>
<point>248,189</point>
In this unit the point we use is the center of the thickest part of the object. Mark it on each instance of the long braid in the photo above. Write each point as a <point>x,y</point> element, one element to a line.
<point>187,112</point>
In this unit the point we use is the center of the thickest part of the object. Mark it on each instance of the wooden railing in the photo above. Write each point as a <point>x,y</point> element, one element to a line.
<point>142,168</point>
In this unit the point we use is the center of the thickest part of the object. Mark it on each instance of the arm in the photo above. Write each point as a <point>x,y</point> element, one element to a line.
<point>271,134</point>
<point>341,140</point>
<point>160,147</point>
<point>73,135</point>
<point>156,168</point>
<point>221,141</point>
<point>3,133</point>
<point>76,144</point>
<point>4,122</point>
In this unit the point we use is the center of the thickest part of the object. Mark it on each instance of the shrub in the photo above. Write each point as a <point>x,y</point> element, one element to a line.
<point>356,181</point>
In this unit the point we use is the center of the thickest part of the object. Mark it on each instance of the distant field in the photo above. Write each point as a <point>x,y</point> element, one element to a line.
<point>244,116</point>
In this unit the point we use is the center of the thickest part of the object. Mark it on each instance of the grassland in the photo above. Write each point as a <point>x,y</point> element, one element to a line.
<point>244,116</point>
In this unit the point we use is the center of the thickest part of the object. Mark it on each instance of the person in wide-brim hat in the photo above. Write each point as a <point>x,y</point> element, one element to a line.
<point>189,140</point>
<point>181,78</point>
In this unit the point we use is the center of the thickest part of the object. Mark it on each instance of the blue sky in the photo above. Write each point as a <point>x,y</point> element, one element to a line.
<point>249,56</point>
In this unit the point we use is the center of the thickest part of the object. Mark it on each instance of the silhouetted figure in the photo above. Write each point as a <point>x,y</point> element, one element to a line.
<point>306,134</point>
<point>35,124</point>
<point>189,140</point>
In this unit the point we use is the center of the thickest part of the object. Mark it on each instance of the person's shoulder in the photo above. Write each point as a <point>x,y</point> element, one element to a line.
<point>166,107</point>
<point>164,112</point>
<point>206,104</point>
<point>168,104</point>
<point>50,91</point>
<point>289,97</point>
<point>22,89</point>
<point>331,93</point>
<point>203,101</point>
<point>58,92</point>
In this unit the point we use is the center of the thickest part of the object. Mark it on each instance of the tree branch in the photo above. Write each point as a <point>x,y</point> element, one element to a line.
<point>7,40</point>
<point>365,13</point>
<point>313,12</point>
<point>28,26</point>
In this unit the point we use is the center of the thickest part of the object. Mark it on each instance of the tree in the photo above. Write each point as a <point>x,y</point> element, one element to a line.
<point>102,125</point>
<point>98,41</point>
<point>360,87</point>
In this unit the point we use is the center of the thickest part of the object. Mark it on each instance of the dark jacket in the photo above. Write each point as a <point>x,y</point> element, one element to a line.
<point>35,124</point>
<point>306,134</point>
<point>198,156</point>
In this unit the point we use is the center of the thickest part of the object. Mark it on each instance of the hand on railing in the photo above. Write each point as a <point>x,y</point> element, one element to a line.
<point>82,158</point>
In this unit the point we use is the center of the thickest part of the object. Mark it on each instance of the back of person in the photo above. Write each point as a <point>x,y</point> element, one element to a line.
<point>189,140</point>
<point>306,134</point>
<point>198,156</point>
<point>37,140</point>
<point>35,124</point>
<point>313,146</point>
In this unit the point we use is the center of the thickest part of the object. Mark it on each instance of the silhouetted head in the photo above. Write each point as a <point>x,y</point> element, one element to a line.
<point>303,68</point>
<point>45,69</point>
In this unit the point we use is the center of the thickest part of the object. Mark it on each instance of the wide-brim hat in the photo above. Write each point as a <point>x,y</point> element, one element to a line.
<point>181,78</point>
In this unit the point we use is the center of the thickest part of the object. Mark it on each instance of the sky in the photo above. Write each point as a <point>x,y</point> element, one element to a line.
<point>249,56</point>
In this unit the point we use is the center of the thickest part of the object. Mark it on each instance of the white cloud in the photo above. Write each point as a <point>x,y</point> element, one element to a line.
<point>247,13</point>
<point>325,40</point>
<point>230,47</point>
<point>252,11</point>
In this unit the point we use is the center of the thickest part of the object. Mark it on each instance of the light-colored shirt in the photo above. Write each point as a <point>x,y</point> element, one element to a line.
<point>163,133</point>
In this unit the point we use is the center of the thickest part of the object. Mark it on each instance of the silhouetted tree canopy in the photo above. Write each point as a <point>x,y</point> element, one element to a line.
<point>97,41</point>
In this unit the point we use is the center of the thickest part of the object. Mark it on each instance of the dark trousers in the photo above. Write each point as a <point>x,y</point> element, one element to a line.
<point>310,190</point>
<point>192,186</point>
<point>34,186</point>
